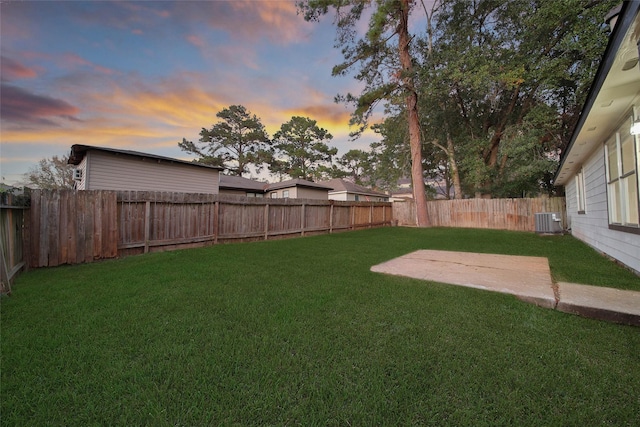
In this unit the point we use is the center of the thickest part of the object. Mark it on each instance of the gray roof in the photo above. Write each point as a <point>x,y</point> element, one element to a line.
<point>297,183</point>
<point>340,185</point>
<point>78,151</point>
<point>240,183</point>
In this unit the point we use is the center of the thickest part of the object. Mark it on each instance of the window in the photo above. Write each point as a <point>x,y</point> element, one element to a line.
<point>580,192</point>
<point>285,194</point>
<point>622,177</point>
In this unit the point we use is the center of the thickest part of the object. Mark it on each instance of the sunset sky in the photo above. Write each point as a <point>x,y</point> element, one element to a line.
<point>142,75</point>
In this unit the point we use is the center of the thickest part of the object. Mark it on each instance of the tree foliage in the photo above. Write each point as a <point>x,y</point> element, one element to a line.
<point>356,165</point>
<point>505,81</point>
<point>385,66</point>
<point>51,174</point>
<point>237,141</point>
<point>300,150</point>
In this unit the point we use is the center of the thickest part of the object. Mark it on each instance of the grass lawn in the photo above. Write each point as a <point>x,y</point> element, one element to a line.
<point>300,332</point>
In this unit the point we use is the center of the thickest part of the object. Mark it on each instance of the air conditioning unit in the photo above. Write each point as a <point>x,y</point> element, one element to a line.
<point>548,223</point>
<point>77,174</point>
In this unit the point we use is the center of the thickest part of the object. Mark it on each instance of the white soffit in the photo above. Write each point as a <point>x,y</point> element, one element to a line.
<point>619,92</point>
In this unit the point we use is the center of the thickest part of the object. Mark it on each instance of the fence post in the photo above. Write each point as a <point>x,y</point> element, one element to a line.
<point>216,217</point>
<point>331,217</point>
<point>266,221</point>
<point>147,225</point>
<point>371,215</point>
<point>352,211</point>
<point>384,215</point>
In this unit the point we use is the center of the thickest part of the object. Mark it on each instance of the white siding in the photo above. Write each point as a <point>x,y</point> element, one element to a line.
<point>82,184</point>
<point>301,193</point>
<point>592,227</point>
<point>108,171</point>
<point>345,196</point>
<point>342,195</point>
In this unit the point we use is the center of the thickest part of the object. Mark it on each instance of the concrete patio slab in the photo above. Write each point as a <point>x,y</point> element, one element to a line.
<point>529,278</point>
<point>614,305</point>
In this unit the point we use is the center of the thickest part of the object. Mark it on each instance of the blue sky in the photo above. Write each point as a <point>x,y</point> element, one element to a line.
<point>142,75</point>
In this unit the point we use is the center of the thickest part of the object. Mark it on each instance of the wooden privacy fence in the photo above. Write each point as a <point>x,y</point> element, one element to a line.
<point>68,227</point>
<point>501,214</point>
<point>11,238</point>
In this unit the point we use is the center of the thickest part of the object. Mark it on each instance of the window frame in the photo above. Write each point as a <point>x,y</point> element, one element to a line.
<point>620,207</point>
<point>581,193</point>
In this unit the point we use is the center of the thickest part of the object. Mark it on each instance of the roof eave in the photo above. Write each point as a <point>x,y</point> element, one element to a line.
<point>78,152</point>
<point>625,19</point>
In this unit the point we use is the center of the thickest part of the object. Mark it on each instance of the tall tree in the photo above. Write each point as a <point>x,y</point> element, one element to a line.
<point>51,174</point>
<point>237,141</point>
<point>355,164</point>
<point>300,149</point>
<point>386,69</point>
<point>504,75</point>
<point>390,159</point>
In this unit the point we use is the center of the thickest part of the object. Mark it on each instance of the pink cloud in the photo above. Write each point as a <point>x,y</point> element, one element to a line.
<point>77,61</point>
<point>12,70</point>
<point>247,20</point>
<point>278,21</point>
<point>195,40</point>
<point>19,106</point>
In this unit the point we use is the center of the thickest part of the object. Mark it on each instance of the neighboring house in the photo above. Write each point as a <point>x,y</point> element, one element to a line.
<point>599,169</point>
<point>436,190</point>
<point>298,189</point>
<point>100,168</point>
<point>348,191</point>
<point>239,186</point>
<point>291,189</point>
<point>403,191</point>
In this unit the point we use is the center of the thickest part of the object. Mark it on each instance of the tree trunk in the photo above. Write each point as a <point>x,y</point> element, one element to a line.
<point>417,175</point>
<point>455,174</point>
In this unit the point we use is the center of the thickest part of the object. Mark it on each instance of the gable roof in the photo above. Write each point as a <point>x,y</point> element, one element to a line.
<point>79,151</point>
<point>615,89</point>
<point>340,185</point>
<point>230,182</point>
<point>297,183</point>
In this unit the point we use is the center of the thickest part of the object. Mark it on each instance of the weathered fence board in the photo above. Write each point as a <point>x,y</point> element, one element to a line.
<point>11,239</point>
<point>69,227</point>
<point>502,214</point>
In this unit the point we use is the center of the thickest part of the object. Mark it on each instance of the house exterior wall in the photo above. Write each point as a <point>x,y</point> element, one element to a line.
<point>300,193</point>
<point>355,197</point>
<point>243,193</point>
<point>233,192</point>
<point>108,171</point>
<point>592,226</point>
<point>311,193</point>
<point>342,195</point>
<point>82,183</point>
